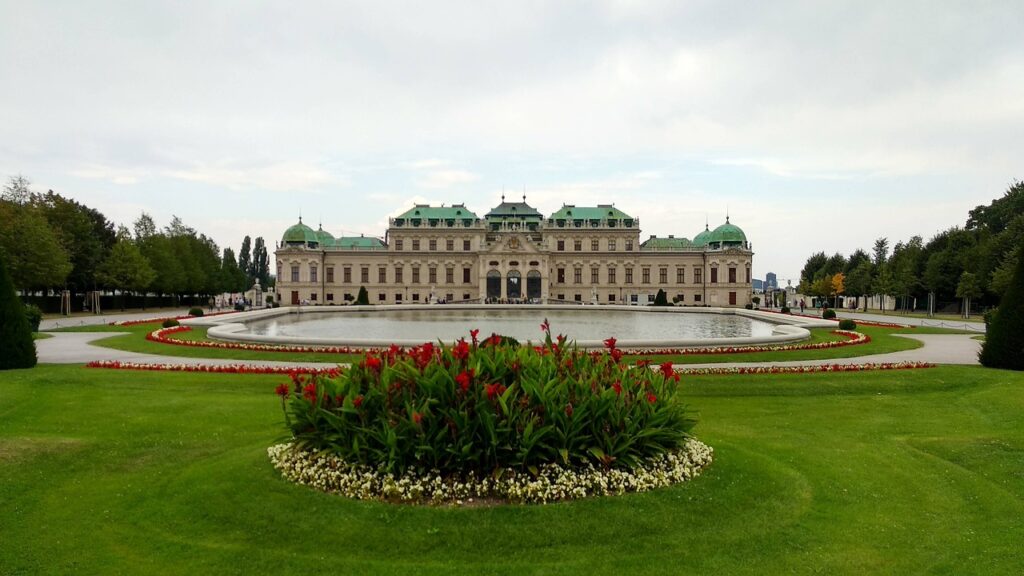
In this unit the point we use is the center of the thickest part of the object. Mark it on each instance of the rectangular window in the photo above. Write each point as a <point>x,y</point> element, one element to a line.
<point>415,274</point>
<point>398,274</point>
<point>313,296</point>
<point>681,297</point>
<point>611,297</point>
<point>732,275</point>
<point>561,276</point>
<point>364,275</point>
<point>415,297</point>
<point>330,297</point>
<point>432,275</point>
<point>680,275</point>
<point>698,275</point>
<point>398,298</point>
<point>611,274</point>
<point>714,275</point>
<point>346,275</point>
<point>663,275</point>
<point>312,273</point>
<point>748,275</point>
<point>577,297</point>
<point>449,297</point>
<point>732,298</point>
<point>382,275</point>
<point>561,245</point>
<point>295,273</point>
<point>330,275</point>
<point>629,245</point>
<point>433,244</point>
<point>577,245</point>
<point>398,243</point>
<point>465,245</point>
<point>416,244</point>
<point>629,275</point>
<point>577,276</point>
<point>561,296</point>
<point>696,297</point>
<point>466,273</point>
<point>449,245</point>
<point>645,275</point>
<point>449,275</point>
<point>465,296</point>
<point>595,275</point>
<point>382,297</point>
<point>595,245</point>
<point>611,244</point>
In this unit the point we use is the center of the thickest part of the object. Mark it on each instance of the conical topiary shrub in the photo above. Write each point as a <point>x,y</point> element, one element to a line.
<point>1004,341</point>
<point>17,350</point>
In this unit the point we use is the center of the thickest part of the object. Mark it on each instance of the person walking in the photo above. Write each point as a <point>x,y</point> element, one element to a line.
<point>802,304</point>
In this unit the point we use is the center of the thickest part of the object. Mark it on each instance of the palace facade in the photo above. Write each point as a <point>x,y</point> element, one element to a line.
<point>584,254</point>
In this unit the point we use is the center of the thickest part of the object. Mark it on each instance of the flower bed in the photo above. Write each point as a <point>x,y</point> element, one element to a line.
<point>492,409</point>
<point>163,336</point>
<point>809,369</point>
<point>212,368</point>
<point>552,482</point>
<point>859,322</point>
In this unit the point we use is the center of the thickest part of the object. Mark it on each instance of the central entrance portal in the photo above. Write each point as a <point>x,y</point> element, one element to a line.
<point>515,286</point>
<point>533,285</point>
<point>493,284</point>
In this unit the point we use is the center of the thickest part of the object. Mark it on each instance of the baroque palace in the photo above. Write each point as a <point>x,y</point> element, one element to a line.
<point>584,254</point>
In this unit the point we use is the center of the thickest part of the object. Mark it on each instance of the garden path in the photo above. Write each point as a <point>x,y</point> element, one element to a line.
<point>77,348</point>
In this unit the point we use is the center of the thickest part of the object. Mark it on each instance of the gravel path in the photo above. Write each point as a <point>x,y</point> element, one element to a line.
<point>76,348</point>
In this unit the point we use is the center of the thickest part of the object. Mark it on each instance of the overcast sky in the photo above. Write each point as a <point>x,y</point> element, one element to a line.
<point>818,126</point>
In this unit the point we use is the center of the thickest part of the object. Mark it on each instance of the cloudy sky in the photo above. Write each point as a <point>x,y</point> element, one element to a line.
<point>818,126</point>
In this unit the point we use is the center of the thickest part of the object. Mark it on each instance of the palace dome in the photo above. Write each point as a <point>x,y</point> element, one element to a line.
<point>702,238</point>
<point>301,234</point>
<point>727,235</point>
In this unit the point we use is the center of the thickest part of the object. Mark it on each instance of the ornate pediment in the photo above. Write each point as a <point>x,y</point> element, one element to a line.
<point>512,243</point>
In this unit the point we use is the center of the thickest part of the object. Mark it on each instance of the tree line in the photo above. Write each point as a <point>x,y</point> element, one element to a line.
<point>51,243</point>
<point>973,262</point>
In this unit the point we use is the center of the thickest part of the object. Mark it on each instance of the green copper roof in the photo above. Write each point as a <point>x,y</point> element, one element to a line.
<point>727,234</point>
<point>360,243</point>
<point>427,212</point>
<point>702,238</point>
<point>324,237</point>
<point>599,212</point>
<point>300,233</point>
<point>670,243</point>
<point>514,210</point>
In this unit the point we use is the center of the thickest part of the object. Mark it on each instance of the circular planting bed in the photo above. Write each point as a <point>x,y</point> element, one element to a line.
<point>488,419</point>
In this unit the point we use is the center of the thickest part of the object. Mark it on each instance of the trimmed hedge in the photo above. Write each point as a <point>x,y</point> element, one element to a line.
<point>785,309</point>
<point>17,349</point>
<point>171,323</point>
<point>481,406</point>
<point>34,316</point>
<point>828,313</point>
<point>847,324</point>
<point>1004,339</point>
<point>195,311</point>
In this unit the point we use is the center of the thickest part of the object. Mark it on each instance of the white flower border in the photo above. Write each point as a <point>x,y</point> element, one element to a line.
<point>553,482</point>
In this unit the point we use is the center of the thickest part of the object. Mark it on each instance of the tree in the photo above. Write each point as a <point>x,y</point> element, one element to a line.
<point>245,259</point>
<point>363,299</point>
<point>661,299</point>
<point>35,258</point>
<point>884,284</point>
<point>84,234</point>
<point>126,268</point>
<point>838,286</point>
<point>16,191</point>
<point>968,288</point>
<point>880,252</point>
<point>260,262</point>
<point>232,277</point>
<point>1004,342</point>
<point>810,271</point>
<point>17,350</point>
<point>145,228</point>
<point>1002,275</point>
<point>858,281</point>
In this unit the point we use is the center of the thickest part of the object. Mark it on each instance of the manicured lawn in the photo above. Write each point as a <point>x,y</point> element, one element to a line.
<point>40,336</point>
<point>882,342</point>
<point>883,472</point>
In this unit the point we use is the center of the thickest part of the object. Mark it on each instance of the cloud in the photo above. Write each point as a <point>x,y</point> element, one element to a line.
<point>294,176</point>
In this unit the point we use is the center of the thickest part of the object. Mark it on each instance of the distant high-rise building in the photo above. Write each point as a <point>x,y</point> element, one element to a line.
<point>771,281</point>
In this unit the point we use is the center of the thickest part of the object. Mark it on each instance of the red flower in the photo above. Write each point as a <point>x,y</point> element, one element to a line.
<point>463,380</point>
<point>617,386</point>
<point>494,340</point>
<point>461,350</point>
<point>473,334</point>
<point>544,326</point>
<point>494,390</point>
<point>616,354</point>
<point>358,401</point>
<point>643,363</point>
<point>568,410</point>
<point>282,390</point>
<point>610,343</point>
<point>652,398</point>
<point>666,370</point>
<point>417,418</point>
<point>309,392</point>
<point>373,362</point>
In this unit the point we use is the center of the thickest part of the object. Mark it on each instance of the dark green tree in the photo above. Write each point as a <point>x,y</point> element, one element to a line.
<point>17,350</point>
<point>245,259</point>
<point>880,253</point>
<point>260,262</point>
<point>126,269</point>
<point>232,277</point>
<point>1004,342</point>
<point>660,299</point>
<point>34,255</point>
<point>362,299</point>
<point>858,281</point>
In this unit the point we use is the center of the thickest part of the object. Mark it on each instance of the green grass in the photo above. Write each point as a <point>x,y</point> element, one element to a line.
<point>924,315</point>
<point>883,341</point>
<point>41,336</point>
<point>162,473</point>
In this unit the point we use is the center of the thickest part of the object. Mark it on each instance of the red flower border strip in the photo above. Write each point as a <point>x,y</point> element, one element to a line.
<point>810,369</point>
<point>161,336</point>
<point>212,368</point>
<point>185,317</point>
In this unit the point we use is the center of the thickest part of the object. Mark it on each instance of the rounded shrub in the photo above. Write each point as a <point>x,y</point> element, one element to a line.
<point>171,323</point>
<point>828,314</point>
<point>785,309</point>
<point>34,316</point>
<point>847,324</point>
<point>748,306</point>
<point>477,407</point>
<point>1004,339</point>
<point>195,311</point>
<point>17,350</point>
